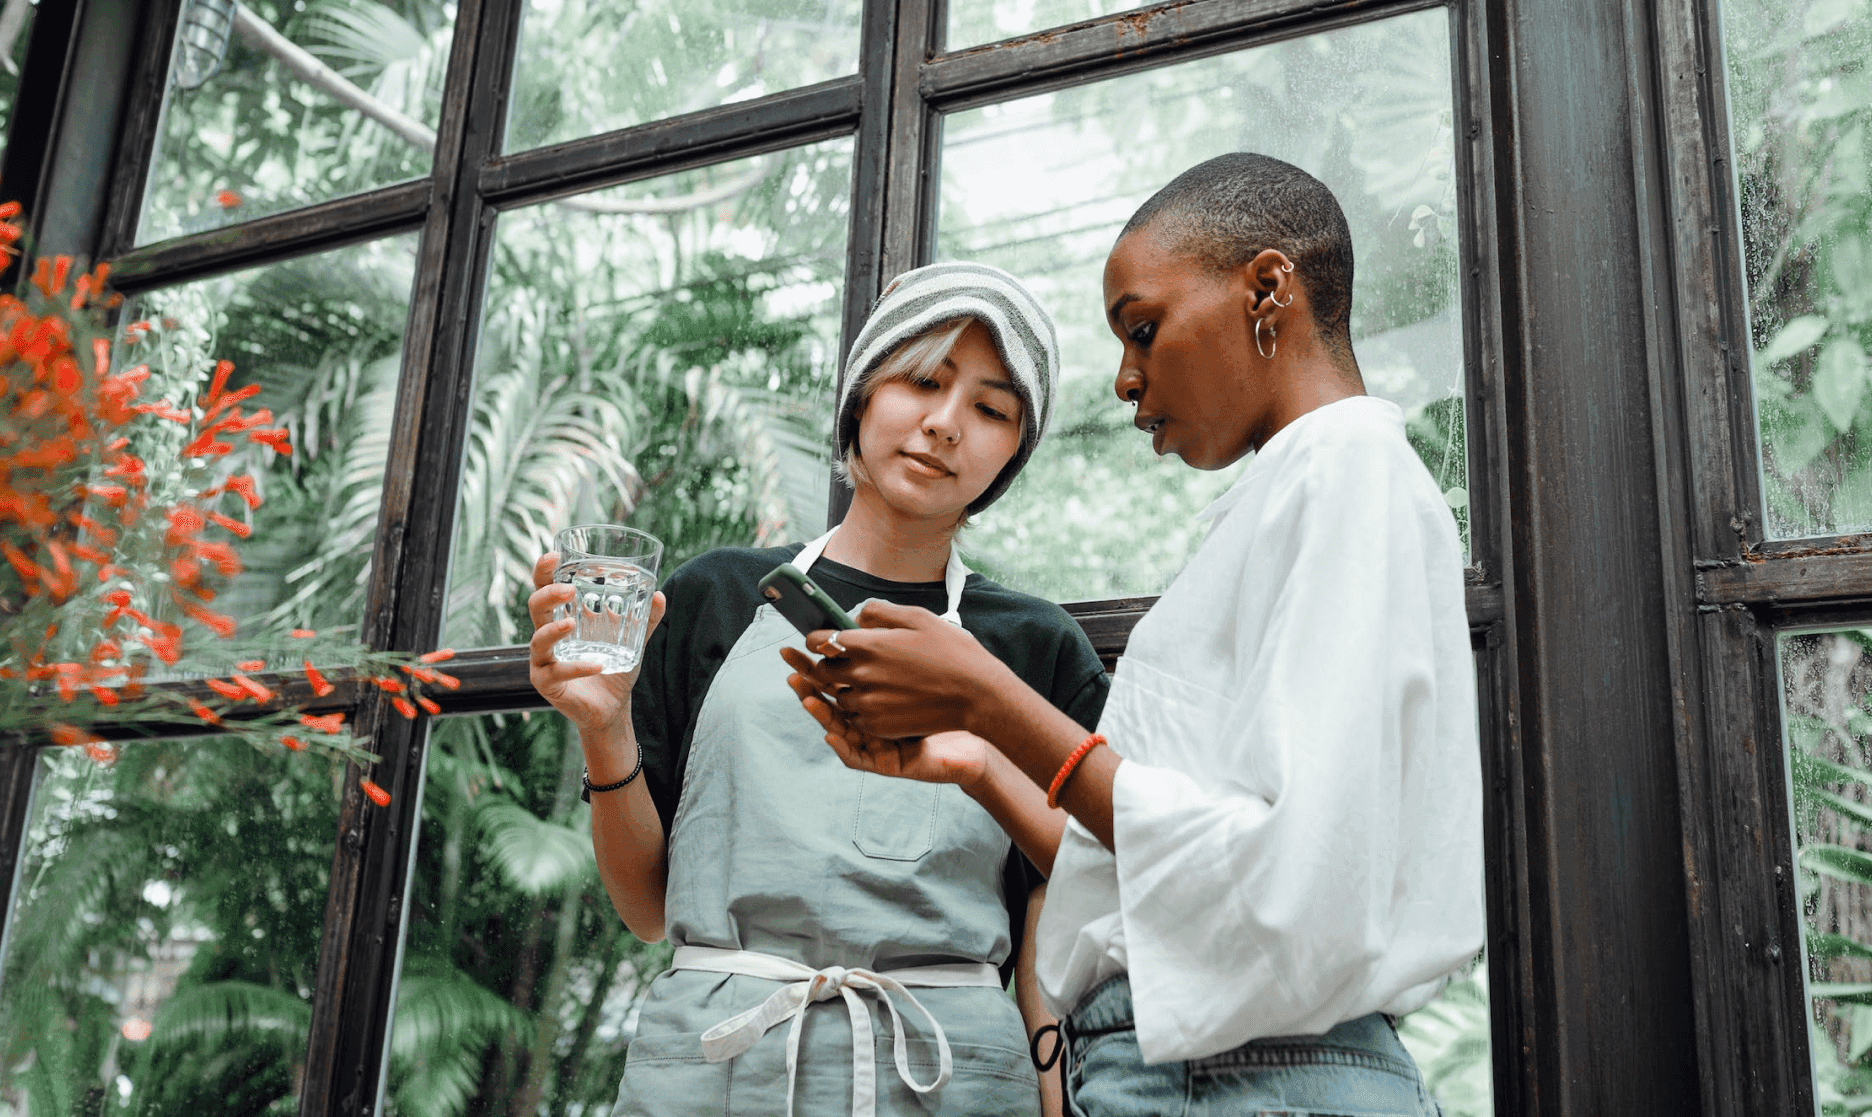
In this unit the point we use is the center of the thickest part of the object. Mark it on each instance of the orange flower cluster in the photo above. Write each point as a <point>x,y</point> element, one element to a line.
<point>71,489</point>
<point>122,553</point>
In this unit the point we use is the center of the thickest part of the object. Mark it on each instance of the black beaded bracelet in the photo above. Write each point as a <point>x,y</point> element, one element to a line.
<point>590,787</point>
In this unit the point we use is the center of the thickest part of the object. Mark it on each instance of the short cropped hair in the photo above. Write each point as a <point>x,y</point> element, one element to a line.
<point>918,356</point>
<point>1228,210</point>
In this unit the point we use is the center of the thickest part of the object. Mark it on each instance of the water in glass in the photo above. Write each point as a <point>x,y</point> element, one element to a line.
<point>611,606</point>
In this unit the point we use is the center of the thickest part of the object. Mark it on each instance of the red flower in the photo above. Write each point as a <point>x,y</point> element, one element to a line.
<point>376,794</point>
<point>325,723</point>
<point>440,655</point>
<point>251,665</point>
<point>220,625</point>
<point>204,712</point>
<point>387,684</point>
<point>293,743</point>
<point>303,634</point>
<point>259,692</point>
<point>448,681</point>
<point>235,526</point>
<point>227,199</point>
<point>226,689</point>
<point>320,687</point>
<point>428,705</point>
<point>274,437</point>
<point>403,706</point>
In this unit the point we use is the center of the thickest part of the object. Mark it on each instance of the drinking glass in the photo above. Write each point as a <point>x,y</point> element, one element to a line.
<point>613,572</point>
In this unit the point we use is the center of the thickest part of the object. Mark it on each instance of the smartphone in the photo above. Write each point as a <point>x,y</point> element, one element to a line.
<point>801,602</point>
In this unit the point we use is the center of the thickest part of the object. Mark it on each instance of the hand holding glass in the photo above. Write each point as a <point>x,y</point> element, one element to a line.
<point>613,573</point>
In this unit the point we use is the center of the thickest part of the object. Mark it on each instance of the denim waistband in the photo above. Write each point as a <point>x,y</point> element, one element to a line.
<point>1368,1041</point>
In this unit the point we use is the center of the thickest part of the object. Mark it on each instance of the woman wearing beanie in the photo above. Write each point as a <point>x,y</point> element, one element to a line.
<point>843,939</point>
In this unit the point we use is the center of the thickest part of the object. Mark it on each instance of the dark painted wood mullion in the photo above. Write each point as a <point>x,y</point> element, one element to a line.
<point>299,232</point>
<point>782,120</point>
<point>1130,41</point>
<point>1597,655</point>
<point>911,174</point>
<point>33,122</point>
<point>1480,159</point>
<point>871,150</point>
<point>409,571</point>
<point>142,123</point>
<point>1750,1017</point>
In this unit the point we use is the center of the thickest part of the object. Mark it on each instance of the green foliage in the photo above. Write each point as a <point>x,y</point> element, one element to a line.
<point>1449,1040</point>
<point>1829,734</point>
<point>1801,103</point>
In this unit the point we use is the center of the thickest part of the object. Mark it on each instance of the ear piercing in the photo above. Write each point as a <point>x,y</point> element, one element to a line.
<point>1273,340</point>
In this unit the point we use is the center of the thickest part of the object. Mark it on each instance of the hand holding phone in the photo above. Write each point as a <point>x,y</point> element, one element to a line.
<point>801,602</point>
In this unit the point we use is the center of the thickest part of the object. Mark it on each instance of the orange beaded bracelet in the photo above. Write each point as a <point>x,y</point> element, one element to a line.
<point>1072,762</point>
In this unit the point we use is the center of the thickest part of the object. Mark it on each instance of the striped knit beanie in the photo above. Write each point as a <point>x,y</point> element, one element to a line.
<point>923,298</point>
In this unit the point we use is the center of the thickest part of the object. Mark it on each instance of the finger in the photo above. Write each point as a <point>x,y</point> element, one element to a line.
<point>542,601</point>
<point>540,648</point>
<point>658,605</point>
<point>816,672</point>
<point>833,643</point>
<point>853,755</point>
<point>884,614</point>
<point>543,568</point>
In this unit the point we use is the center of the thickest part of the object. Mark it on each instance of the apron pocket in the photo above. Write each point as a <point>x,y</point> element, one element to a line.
<point>896,818</point>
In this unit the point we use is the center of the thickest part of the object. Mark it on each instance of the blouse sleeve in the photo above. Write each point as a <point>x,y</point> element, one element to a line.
<point>1327,863</point>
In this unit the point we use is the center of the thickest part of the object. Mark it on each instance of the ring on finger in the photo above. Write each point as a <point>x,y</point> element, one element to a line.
<point>835,648</point>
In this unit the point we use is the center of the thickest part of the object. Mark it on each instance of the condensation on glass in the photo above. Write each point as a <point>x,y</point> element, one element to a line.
<point>591,66</point>
<point>271,105</point>
<point>1800,100</point>
<point>1826,693</point>
<point>323,337</point>
<point>519,982</point>
<point>1041,186</point>
<point>15,30</point>
<point>974,22</point>
<point>660,354</point>
<point>162,947</point>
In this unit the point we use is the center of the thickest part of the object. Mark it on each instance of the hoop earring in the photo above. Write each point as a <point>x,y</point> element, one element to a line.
<point>1273,341</point>
<point>1279,303</point>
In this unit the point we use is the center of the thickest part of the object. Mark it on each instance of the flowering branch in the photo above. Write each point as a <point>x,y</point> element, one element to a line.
<point>119,523</point>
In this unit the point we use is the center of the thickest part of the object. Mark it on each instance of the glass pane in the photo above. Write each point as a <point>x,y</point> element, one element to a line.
<point>1826,691</point>
<point>163,944</point>
<point>1449,1039</point>
<point>661,354</point>
<point>322,336</point>
<point>1041,187</point>
<point>591,66</point>
<point>1800,105</point>
<point>272,105</point>
<point>973,22</point>
<point>15,30</point>
<point>519,981</point>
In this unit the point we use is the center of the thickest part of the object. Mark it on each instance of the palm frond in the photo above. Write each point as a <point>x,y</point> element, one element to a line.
<point>444,1022</point>
<point>535,856</point>
<point>215,1012</point>
<point>362,35</point>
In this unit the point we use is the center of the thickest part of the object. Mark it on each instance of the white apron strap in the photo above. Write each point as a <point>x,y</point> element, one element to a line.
<point>805,986</point>
<point>955,574</point>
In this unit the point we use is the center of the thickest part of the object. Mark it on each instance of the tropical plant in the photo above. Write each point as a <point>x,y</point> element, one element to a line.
<point>1828,696</point>
<point>1801,104</point>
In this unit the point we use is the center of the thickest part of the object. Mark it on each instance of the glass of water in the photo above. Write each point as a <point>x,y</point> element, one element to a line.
<point>613,572</point>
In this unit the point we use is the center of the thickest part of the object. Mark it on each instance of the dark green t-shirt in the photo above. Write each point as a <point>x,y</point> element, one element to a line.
<point>712,599</point>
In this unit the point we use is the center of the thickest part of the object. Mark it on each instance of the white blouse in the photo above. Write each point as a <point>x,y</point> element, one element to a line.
<point>1298,817</point>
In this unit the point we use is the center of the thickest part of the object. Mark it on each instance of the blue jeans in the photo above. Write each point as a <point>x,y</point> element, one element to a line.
<point>1359,1068</point>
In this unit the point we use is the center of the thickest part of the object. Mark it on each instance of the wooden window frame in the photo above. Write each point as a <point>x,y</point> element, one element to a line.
<point>1644,926</point>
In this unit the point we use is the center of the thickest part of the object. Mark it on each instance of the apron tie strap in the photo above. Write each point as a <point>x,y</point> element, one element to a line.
<point>805,985</point>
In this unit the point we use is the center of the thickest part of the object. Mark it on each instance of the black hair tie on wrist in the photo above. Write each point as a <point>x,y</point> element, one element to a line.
<point>585,778</point>
<point>1059,1047</point>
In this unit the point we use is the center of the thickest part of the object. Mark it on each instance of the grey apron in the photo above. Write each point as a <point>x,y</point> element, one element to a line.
<point>795,882</point>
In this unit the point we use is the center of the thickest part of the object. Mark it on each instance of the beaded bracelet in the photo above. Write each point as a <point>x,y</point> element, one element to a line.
<point>590,787</point>
<point>1067,768</point>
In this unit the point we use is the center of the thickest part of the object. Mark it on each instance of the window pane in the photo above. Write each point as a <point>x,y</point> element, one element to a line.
<point>15,31</point>
<point>591,66</point>
<point>322,335</point>
<point>272,105</point>
<point>163,943</point>
<point>1449,1040</point>
<point>519,981</point>
<point>661,354</point>
<point>1800,104</point>
<point>1826,690</point>
<point>973,22</point>
<point>1041,187</point>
